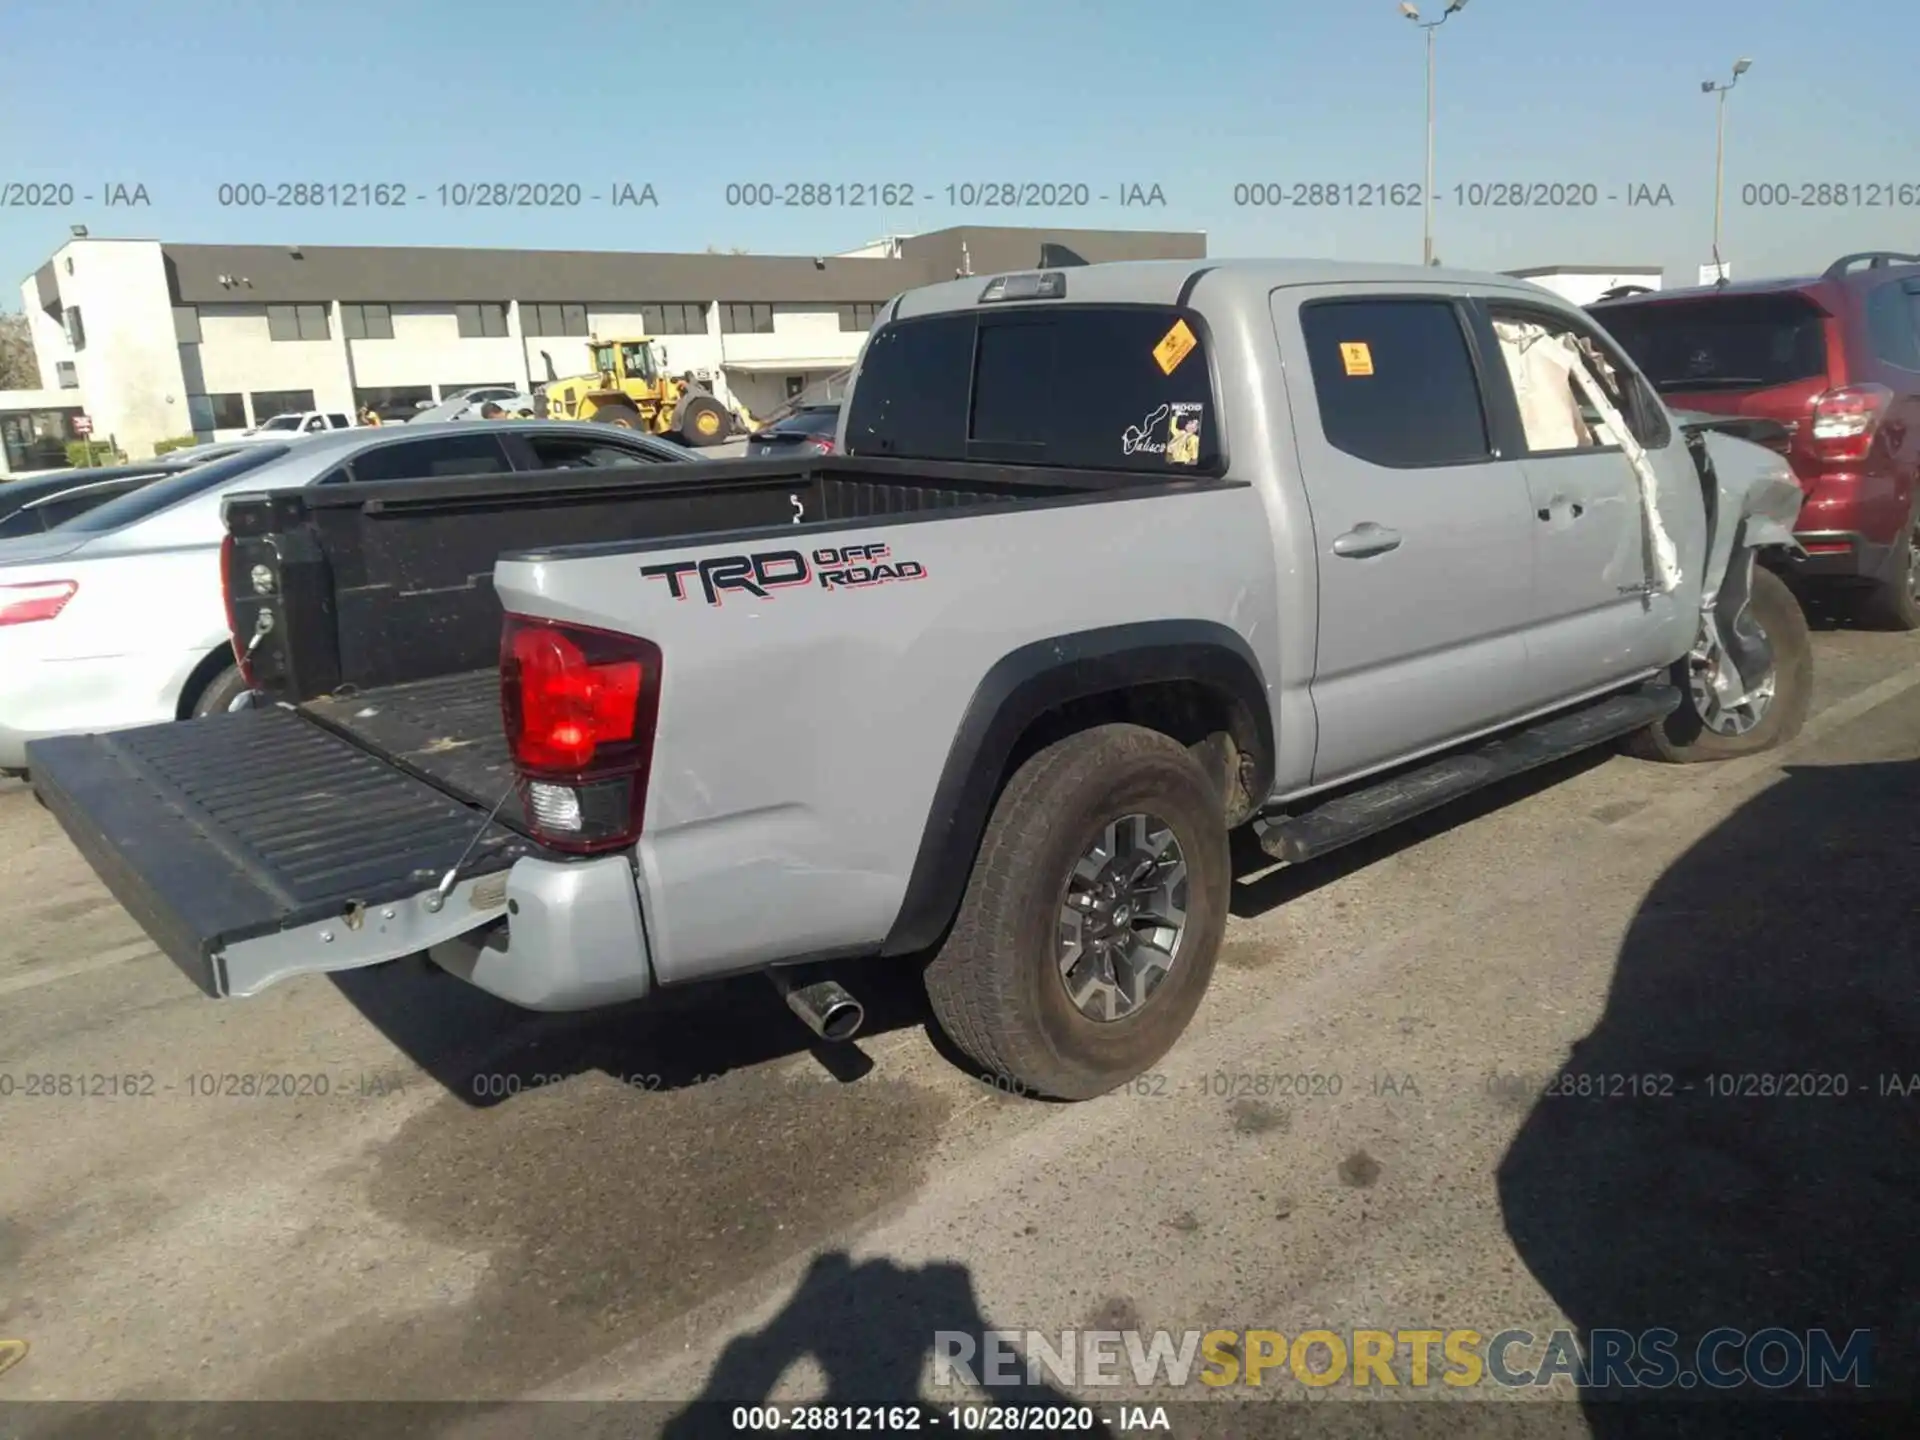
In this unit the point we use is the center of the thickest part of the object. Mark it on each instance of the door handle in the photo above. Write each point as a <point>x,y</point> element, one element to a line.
<point>1573,509</point>
<point>1366,539</point>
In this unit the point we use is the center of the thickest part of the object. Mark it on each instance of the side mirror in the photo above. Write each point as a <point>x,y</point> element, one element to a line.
<point>660,357</point>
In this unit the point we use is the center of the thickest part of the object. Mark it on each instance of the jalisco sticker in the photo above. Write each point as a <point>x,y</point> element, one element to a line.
<point>1183,435</point>
<point>1181,442</point>
<point>1174,347</point>
<point>1357,357</point>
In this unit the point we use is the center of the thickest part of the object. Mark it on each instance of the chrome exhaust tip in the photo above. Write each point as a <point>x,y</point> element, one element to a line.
<point>824,1007</point>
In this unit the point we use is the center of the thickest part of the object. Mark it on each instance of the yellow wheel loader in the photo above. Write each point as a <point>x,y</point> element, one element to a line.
<point>629,387</point>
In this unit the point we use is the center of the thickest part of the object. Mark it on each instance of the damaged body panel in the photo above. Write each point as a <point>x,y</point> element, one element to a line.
<point>1752,504</point>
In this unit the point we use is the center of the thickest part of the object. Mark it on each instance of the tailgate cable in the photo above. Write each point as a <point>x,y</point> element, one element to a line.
<point>438,898</point>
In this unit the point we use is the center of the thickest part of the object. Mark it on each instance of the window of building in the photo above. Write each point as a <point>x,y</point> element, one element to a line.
<point>860,315</point>
<point>477,454</point>
<point>544,319</point>
<point>76,332</point>
<point>269,403</point>
<point>482,320</point>
<point>739,317</point>
<point>186,325</point>
<point>66,375</point>
<point>1078,388</point>
<point>676,318</point>
<point>217,412</point>
<point>1395,381</point>
<point>366,321</point>
<point>297,322</point>
<point>392,402</point>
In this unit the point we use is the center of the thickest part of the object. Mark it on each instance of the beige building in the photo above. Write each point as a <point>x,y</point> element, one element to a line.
<point>154,340</point>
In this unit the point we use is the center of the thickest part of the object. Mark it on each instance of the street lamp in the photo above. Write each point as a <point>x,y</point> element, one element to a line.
<point>1412,13</point>
<point>1707,87</point>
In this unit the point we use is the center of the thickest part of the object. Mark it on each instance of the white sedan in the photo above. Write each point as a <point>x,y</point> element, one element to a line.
<point>118,617</point>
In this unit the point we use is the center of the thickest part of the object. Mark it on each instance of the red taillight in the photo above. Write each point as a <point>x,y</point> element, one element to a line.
<point>825,447</point>
<point>580,707</point>
<point>233,619</point>
<point>1846,420</point>
<point>21,604</point>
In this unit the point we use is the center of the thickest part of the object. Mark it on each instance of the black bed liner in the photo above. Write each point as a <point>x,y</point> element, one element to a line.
<point>445,730</point>
<point>237,826</point>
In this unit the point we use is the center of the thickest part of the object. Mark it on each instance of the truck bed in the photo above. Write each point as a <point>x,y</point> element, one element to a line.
<point>445,730</point>
<point>389,584</point>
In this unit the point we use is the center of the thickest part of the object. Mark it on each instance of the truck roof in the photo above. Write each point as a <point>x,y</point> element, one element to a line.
<point>1162,281</point>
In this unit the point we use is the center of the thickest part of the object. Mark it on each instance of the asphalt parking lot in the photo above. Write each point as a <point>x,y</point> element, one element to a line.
<point>489,1204</point>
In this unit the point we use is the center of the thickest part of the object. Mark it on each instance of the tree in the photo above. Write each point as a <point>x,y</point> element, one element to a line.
<point>18,368</point>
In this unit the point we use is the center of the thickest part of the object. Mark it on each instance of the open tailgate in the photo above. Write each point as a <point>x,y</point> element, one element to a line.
<point>256,845</point>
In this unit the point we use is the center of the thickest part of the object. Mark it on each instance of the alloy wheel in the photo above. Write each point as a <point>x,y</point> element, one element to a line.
<point>1122,915</point>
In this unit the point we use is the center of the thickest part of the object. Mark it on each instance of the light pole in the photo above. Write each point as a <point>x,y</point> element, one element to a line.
<point>1707,87</point>
<point>1412,13</point>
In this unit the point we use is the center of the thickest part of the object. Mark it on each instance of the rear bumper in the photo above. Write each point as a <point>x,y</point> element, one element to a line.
<point>41,698</point>
<point>1840,555</point>
<point>255,846</point>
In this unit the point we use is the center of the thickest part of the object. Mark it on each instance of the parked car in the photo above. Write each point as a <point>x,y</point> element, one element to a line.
<point>457,405</point>
<point>1083,591</point>
<point>40,502</point>
<point>303,422</point>
<point>116,619</point>
<point>1835,359</point>
<point>810,428</point>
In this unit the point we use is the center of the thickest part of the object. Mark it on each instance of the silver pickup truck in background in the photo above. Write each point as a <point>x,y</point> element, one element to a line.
<point>1115,559</point>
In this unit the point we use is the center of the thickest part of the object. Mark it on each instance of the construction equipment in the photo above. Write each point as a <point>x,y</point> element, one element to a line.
<point>630,387</point>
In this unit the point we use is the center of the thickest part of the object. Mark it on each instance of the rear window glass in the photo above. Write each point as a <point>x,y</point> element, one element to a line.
<point>152,499</point>
<point>806,422</point>
<point>1097,388</point>
<point>1739,342</point>
<point>427,459</point>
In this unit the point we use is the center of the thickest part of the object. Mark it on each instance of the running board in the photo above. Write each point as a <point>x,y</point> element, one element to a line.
<point>1360,813</point>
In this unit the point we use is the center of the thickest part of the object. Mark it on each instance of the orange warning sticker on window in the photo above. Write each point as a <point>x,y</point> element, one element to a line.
<point>1357,357</point>
<point>1174,347</point>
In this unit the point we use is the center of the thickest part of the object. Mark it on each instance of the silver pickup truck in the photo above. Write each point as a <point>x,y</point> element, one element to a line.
<point>1116,559</point>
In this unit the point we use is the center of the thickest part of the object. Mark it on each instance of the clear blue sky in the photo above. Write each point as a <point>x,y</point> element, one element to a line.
<point>182,97</point>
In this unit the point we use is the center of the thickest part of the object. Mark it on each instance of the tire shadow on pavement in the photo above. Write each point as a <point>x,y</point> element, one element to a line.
<point>1774,1182</point>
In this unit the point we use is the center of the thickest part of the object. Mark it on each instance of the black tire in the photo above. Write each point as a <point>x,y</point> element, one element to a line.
<point>225,688</point>
<point>624,416</point>
<point>1683,737</point>
<point>1895,604</point>
<point>704,411</point>
<point>996,986</point>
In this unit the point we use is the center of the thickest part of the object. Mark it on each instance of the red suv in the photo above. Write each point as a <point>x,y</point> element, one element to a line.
<point>1836,360</point>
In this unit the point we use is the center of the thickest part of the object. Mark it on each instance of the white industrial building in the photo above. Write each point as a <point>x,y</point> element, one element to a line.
<point>150,340</point>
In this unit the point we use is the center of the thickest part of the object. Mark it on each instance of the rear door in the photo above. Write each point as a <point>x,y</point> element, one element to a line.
<point>1423,529</point>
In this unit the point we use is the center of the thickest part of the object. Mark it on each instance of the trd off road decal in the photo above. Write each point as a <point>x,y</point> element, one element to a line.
<point>832,567</point>
<point>1172,431</point>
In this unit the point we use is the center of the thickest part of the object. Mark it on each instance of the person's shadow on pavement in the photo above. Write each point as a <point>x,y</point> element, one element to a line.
<point>870,1328</point>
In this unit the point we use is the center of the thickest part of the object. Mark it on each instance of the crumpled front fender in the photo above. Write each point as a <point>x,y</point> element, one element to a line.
<point>1754,503</point>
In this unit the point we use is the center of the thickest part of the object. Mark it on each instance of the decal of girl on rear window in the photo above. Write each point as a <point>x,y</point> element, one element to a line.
<point>1183,435</point>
